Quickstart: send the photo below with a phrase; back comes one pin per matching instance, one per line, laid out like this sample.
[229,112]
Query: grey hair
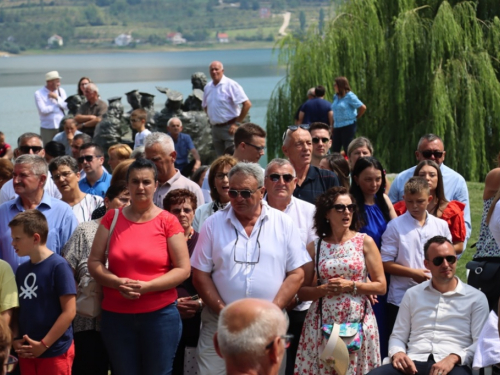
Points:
[84,137]
[64,160]
[249,169]
[280,163]
[28,135]
[138,153]
[359,142]
[39,165]
[173,118]
[311,91]
[429,138]
[93,87]
[252,340]
[164,140]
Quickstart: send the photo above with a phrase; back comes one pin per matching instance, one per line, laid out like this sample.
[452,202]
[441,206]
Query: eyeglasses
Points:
[11,364]
[56,177]
[257,245]
[221,176]
[135,119]
[451,259]
[27,149]
[275,177]
[245,194]
[286,341]
[428,153]
[177,211]
[87,158]
[324,140]
[258,148]
[342,207]
[293,128]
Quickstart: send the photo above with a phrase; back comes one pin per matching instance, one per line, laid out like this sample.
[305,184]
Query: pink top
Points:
[138,251]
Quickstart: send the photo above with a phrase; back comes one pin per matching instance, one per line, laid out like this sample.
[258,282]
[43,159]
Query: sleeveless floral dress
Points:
[345,259]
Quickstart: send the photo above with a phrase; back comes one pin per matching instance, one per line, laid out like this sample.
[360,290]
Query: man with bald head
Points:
[311,181]
[251,337]
[90,113]
[226,105]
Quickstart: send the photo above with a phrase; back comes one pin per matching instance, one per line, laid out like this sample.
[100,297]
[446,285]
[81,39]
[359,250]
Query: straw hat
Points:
[52,75]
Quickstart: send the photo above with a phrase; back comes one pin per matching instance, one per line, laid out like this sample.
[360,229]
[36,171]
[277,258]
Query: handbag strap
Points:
[111,229]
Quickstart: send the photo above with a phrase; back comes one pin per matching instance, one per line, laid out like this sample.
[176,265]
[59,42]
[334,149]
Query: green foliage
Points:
[419,66]
[94,15]
[321,22]
[302,20]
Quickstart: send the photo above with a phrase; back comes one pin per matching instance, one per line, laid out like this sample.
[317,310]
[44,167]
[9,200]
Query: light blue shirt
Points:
[63,139]
[99,188]
[345,110]
[455,188]
[62,222]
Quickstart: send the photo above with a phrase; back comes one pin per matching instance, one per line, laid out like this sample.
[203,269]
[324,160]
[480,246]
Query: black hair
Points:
[436,239]
[142,164]
[55,149]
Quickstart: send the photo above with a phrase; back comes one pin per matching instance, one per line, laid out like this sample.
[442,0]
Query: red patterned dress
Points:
[344,259]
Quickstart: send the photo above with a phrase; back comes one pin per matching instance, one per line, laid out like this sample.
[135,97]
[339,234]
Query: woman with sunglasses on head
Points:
[450,211]
[219,186]
[337,282]
[182,204]
[147,259]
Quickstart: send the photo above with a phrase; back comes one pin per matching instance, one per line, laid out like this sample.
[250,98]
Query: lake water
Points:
[117,73]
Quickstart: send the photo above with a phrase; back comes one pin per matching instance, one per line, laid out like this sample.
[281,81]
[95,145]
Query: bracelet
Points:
[355,288]
[44,344]
[297,300]
[201,305]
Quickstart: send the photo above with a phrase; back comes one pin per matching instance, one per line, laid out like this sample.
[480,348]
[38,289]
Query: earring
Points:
[327,221]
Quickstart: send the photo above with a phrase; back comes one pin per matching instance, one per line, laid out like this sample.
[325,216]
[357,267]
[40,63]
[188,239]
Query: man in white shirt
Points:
[248,250]
[280,182]
[160,149]
[28,143]
[222,99]
[439,321]
[50,101]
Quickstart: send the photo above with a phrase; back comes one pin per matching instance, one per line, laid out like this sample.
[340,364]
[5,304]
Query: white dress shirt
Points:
[51,111]
[403,242]
[8,193]
[274,242]
[204,212]
[431,322]
[223,100]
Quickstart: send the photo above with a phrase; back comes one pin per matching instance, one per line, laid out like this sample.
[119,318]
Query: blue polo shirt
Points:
[316,183]
[316,110]
[99,188]
[183,145]
[61,219]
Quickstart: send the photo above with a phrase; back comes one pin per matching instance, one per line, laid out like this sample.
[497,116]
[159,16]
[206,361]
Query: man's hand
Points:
[197,164]
[421,275]
[187,307]
[403,363]
[53,95]
[232,129]
[444,366]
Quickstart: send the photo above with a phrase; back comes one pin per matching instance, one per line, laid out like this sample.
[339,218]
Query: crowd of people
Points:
[315,264]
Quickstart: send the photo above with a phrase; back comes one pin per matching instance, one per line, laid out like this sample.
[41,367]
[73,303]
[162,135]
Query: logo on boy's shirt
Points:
[28,291]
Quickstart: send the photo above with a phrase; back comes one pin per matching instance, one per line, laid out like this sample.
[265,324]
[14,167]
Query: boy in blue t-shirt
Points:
[47,301]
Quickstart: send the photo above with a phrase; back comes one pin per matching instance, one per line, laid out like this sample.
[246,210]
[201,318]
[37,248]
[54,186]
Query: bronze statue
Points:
[198,81]
[147,103]
[134,99]
[172,109]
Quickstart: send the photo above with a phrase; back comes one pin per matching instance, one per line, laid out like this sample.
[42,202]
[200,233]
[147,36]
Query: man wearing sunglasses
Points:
[431,147]
[97,179]
[28,143]
[248,250]
[316,109]
[280,182]
[439,320]
[245,348]
[321,141]
[311,181]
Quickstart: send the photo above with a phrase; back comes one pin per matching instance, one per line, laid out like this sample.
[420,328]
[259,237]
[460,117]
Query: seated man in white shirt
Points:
[247,250]
[439,320]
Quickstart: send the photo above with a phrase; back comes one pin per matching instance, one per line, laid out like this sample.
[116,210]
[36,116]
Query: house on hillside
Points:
[265,12]
[55,40]
[123,40]
[223,38]
[175,38]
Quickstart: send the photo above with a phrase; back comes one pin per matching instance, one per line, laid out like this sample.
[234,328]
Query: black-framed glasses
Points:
[428,153]
[342,207]
[316,140]
[87,158]
[245,194]
[177,211]
[66,174]
[11,364]
[287,339]
[293,128]
[257,246]
[437,261]
[27,149]
[275,177]
[258,148]
[221,176]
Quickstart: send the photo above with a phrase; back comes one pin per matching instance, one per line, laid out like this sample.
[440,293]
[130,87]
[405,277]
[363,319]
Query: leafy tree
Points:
[244,4]
[321,22]
[94,15]
[420,66]
[255,5]
[302,20]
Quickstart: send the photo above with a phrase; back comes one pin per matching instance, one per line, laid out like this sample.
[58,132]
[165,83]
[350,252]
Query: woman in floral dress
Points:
[345,259]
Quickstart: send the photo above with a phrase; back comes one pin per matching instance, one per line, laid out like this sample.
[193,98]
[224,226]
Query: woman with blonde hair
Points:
[118,153]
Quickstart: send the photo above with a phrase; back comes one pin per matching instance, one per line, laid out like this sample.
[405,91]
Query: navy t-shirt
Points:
[39,286]
[316,183]
[316,110]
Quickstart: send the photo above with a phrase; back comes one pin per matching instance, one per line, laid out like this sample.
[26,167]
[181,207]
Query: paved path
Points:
[286,22]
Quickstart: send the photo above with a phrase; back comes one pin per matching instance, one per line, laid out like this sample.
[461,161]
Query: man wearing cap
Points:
[90,113]
[50,101]
[221,100]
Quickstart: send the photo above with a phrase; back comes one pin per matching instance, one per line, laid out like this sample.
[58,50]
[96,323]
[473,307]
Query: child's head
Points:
[28,229]
[417,196]
[138,119]
[174,126]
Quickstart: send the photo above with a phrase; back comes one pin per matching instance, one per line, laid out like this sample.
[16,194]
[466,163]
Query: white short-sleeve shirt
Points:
[223,100]
[223,243]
